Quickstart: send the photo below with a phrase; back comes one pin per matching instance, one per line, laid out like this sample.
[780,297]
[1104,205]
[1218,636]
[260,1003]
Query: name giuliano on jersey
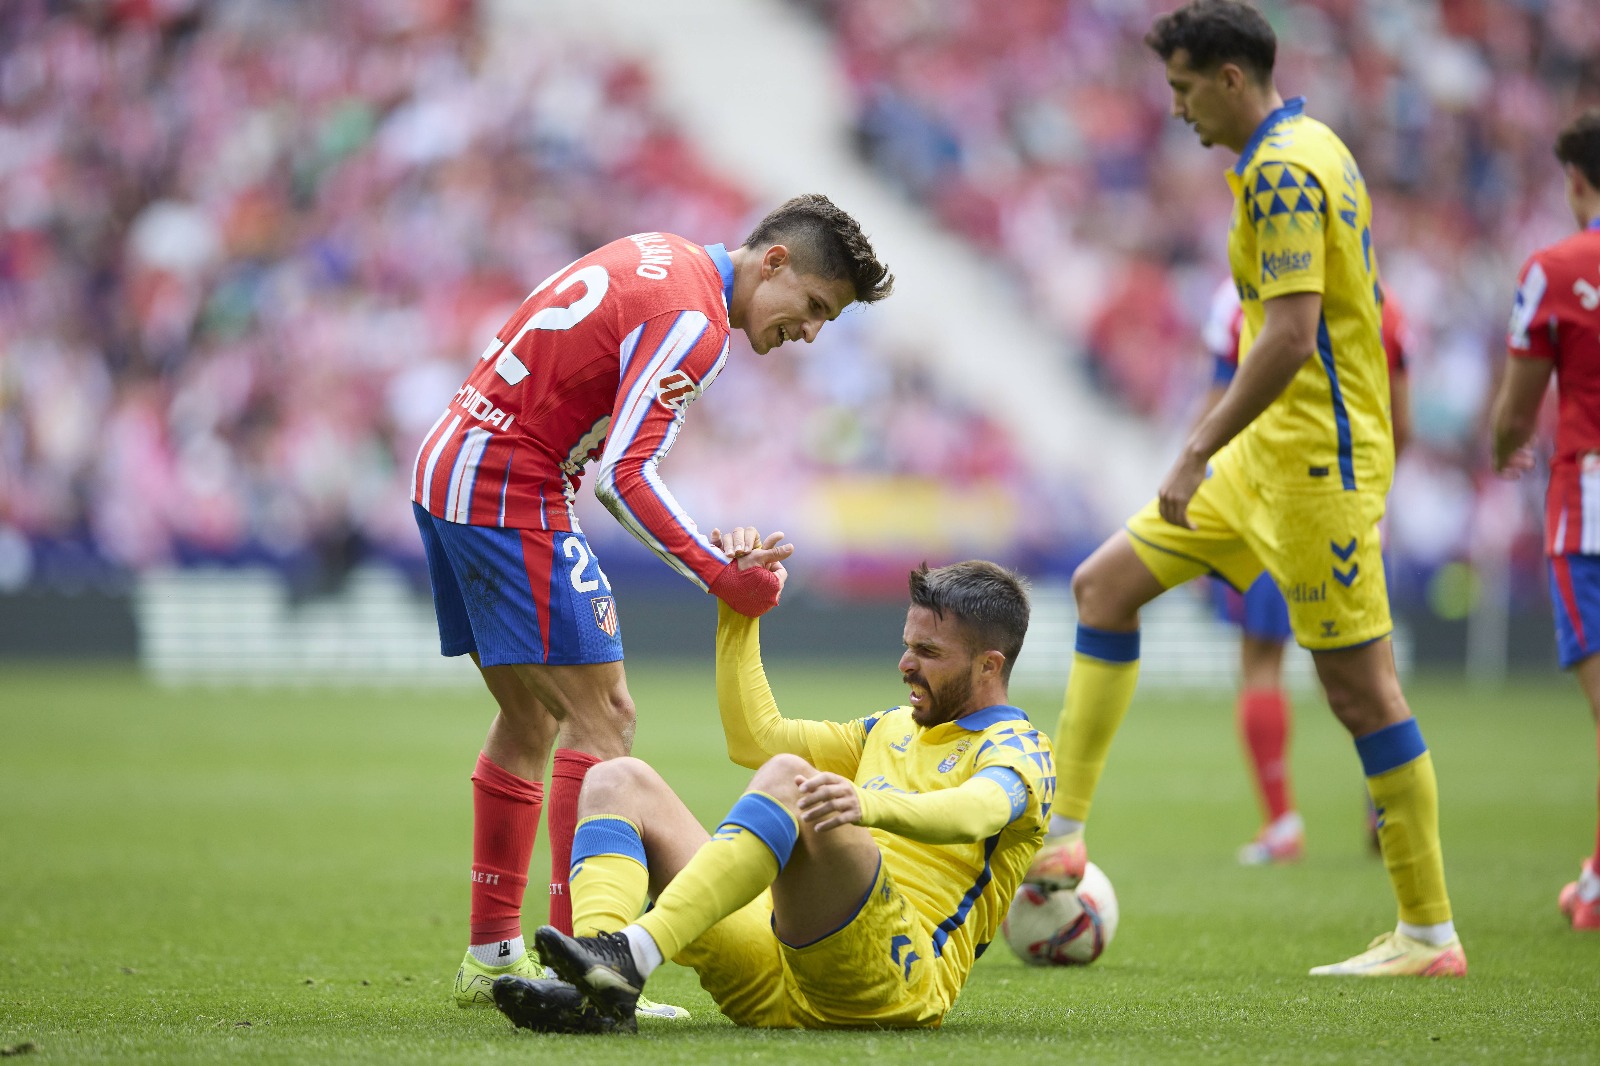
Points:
[600,362]
[1557,317]
[1302,222]
[962,891]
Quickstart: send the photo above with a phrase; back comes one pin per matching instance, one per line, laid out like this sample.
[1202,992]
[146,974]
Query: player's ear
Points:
[776,258]
[992,664]
[1577,183]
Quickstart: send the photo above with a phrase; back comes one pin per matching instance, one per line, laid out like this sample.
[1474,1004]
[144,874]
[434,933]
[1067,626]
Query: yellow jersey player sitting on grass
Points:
[862,873]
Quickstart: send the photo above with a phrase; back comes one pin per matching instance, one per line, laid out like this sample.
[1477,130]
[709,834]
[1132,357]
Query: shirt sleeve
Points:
[1027,752]
[666,363]
[1532,333]
[1289,211]
[976,809]
[755,729]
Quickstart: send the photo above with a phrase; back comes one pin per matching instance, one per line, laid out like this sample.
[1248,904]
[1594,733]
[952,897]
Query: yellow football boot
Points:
[475,981]
[1396,955]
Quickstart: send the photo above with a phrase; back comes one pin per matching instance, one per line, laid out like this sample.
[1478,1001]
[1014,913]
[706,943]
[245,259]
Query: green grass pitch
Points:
[280,876]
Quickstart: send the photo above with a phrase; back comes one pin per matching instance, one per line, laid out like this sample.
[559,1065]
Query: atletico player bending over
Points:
[1555,327]
[599,362]
[862,873]
[1288,473]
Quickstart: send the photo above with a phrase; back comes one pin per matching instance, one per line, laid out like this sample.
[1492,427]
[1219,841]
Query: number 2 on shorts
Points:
[573,548]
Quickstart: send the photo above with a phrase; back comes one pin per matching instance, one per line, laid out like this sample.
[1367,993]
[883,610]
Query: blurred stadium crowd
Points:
[248,248]
[1040,130]
[249,251]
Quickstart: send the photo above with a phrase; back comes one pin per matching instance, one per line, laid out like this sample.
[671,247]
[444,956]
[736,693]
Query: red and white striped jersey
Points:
[1557,317]
[600,361]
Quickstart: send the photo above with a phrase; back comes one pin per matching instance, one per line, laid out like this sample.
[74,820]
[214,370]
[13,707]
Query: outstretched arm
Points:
[756,730]
[667,362]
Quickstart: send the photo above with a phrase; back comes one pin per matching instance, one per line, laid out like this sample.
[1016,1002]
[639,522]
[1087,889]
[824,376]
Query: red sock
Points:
[505,821]
[1264,724]
[566,781]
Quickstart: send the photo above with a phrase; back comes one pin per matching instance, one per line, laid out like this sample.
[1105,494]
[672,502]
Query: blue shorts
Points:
[1260,610]
[518,595]
[1575,595]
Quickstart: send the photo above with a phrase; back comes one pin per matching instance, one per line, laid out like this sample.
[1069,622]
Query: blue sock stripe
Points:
[607,835]
[1104,644]
[1390,747]
[769,820]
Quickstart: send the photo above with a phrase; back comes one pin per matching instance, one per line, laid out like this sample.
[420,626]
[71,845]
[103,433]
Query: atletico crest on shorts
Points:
[605,614]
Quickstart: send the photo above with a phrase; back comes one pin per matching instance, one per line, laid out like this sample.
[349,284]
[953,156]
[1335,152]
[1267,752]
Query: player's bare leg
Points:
[1364,693]
[1112,584]
[1263,715]
[521,735]
[1580,900]
[1109,587]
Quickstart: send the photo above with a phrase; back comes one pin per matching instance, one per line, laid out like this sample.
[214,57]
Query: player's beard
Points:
[944,703]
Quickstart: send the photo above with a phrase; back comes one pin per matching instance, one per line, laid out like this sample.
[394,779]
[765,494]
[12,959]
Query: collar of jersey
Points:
[978,721]
[719,256]
[1293,106]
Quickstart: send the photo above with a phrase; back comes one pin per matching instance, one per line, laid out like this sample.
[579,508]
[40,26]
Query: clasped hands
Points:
[748,548]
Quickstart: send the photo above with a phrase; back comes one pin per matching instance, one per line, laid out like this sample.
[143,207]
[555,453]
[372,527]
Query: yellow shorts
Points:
[875,972]
[1321,548]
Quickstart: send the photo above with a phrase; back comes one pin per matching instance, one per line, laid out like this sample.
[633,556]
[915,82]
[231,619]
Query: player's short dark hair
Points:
[1578,143]
[1214,32]
[826,242]
[988,600]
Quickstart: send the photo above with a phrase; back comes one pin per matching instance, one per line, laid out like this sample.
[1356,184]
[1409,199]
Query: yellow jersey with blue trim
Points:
[961,890]
[1302,222]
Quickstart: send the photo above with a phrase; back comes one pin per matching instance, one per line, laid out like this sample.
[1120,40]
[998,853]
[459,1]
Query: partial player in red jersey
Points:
[1260,611]
[600,362]
[1555,328]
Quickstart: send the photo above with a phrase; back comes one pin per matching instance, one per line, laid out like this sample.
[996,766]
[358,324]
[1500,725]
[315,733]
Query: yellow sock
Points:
[1405,791]
[1105,670]
[609,881]
[734,867]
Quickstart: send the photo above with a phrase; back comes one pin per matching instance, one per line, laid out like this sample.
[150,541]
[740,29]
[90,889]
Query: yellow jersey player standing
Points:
[865,869]
[1286,474]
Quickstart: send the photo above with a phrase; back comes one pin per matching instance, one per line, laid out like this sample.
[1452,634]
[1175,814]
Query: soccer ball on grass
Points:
[1068,927]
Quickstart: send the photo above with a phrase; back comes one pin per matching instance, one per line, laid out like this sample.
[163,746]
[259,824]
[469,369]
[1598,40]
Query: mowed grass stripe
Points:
[179,863]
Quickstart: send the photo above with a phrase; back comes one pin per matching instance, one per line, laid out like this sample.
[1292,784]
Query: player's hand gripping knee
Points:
[828,801]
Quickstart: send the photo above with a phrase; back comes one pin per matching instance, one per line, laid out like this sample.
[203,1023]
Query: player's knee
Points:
[777,776]
[622,715]
[1361,710]
[1096,595]
[614,784]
